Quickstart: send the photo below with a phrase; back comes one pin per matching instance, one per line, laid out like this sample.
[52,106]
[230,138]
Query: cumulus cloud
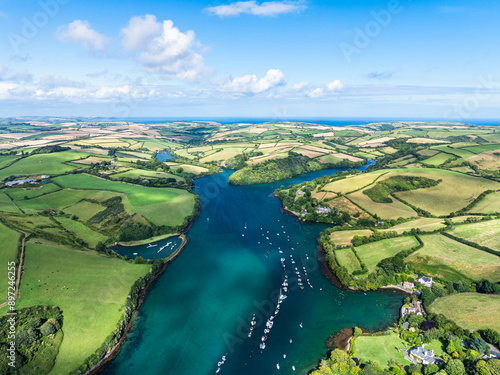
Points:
[331,89]
[250,84]
[300,86]
[163,48]
[80,32]
[23,76]
[51,82]
[269,8]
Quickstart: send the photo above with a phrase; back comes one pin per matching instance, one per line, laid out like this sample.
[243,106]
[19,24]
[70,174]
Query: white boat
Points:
[293,368]
[278,365]
[151,245]
[161,248]
[300,325]
[134,254]
[262,345]
[284,355]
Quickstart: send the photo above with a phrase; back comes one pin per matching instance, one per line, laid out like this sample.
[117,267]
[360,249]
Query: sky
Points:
[264,59]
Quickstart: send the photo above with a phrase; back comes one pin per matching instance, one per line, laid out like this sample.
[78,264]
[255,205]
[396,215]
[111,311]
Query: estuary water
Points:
[201,307]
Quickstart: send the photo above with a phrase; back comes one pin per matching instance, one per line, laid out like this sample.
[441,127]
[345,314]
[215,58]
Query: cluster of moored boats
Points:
[220,363]
[270,321]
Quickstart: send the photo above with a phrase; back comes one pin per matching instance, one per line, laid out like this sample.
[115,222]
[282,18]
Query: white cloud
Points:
[335,86]
[300,86]
[250,84]
[23,76]
[51,82]
[330,90]
[80,32]
[269,8]
[162,48]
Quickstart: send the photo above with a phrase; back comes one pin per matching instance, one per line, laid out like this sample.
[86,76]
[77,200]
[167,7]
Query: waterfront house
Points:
[408,286]
[414,308]
[323,210]
[425,281]
[426,357]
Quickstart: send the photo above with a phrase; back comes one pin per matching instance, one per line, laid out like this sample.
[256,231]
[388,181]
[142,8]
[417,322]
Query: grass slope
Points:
[486,233]
[470,310]
[60,277]
[9,239]
[381,348]
[453,261]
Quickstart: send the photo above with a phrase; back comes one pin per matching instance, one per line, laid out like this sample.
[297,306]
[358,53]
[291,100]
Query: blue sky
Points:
[272,59]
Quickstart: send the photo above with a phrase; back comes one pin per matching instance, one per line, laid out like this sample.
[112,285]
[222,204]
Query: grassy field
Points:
[450,260]
[347,259]
[423,223]
[6,204]
[56,201]
[80,230]
[345,237]
[353,183]
[8,252]
[470,310]
[489,204]
[486,233]
[42,164]
[19,193]
[381,348]
[483,148]
[137,195]
[84,209]
[225,154]
[372,253]
[60,277]
[445,197]
[461,153]
[144,174]
[344,204]
[393,210]
[438,159]
[6,159]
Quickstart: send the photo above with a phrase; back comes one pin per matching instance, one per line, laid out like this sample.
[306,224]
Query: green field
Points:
[461,153]
[344,237]
[61,277]
[347,259]
[381,348]
[80,230]
[445,197]
[486,233]
[438,159]
[6,204]
[9,239]
[84,209]
[19,193]
[56,201]
[372,253]
[144,174]
[489,204]
[393,210]
[423,223]
[137,195]
[471,311]
[6,159]
[352,183]
[42,164]
[483,148]
[453,261]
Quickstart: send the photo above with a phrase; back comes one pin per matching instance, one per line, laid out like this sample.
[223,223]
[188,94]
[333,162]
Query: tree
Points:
[139,260]
[47,328]
[479,345]
[455,367]
[431,369]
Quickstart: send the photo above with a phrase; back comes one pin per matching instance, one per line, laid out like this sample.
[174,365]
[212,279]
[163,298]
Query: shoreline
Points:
[115,350]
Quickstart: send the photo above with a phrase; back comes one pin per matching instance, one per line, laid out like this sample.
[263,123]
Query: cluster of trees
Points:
[381,191]
[35,329]
[49,149]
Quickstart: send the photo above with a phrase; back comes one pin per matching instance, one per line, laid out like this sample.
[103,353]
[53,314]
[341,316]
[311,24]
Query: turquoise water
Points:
[164,156]
[200,308]
[155,250]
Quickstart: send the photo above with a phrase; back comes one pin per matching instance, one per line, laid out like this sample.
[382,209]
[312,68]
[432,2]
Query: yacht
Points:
[262,346]
[151,245]
[278,366]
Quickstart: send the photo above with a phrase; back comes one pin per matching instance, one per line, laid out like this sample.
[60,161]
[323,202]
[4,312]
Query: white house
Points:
[425,281]
[422,355]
